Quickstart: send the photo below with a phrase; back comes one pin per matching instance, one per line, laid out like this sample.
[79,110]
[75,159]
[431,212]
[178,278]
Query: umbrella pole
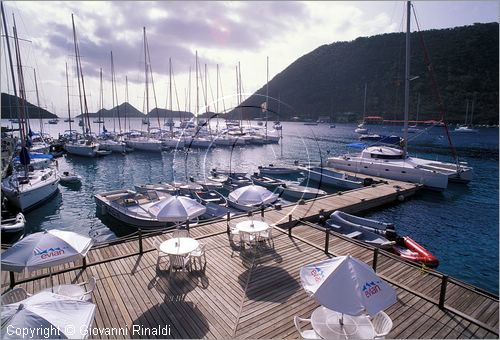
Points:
[51,281]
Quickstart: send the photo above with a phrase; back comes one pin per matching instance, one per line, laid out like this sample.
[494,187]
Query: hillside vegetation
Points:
[330,80]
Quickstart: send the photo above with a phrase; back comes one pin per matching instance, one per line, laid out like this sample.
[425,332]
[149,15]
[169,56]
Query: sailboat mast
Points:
[12,71]
[364,103]
[69,108]
[78,72]
[38,104]
[146,77]
[126,106]
[267,91]
[217,102]
[407,77]
[466,111]
[472,108]
[22,90]
[197,89]
[101,104]
[171,121]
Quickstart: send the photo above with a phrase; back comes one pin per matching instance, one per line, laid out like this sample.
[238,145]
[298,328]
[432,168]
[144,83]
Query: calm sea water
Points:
[460,226]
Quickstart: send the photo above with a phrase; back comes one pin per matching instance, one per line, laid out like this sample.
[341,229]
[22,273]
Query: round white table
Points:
[179,245]
[326,323]
[252,226]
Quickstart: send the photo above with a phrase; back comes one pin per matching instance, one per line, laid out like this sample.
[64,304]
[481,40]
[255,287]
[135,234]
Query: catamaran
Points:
[394,163]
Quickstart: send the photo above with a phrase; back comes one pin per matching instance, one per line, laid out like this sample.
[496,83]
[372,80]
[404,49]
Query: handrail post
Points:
[375,259]
[228,218]
[327,240]
[442,295]
[12,279]
[290,225]
[140,241]
[262,210]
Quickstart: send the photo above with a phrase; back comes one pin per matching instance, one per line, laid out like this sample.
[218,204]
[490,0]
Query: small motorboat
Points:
[217,177]
[101,153]
[403,246]
[251,197]
[208,184]
[13,225]
[210,196]
[67,177]
[410,250]
[161,187]
[354,231]
[279,170]
[236,181]
[298,192]
[328,176]
[217,172]
[267,182]
[342,218]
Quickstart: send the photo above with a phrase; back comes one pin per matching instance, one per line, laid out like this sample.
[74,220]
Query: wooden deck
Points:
[242,294]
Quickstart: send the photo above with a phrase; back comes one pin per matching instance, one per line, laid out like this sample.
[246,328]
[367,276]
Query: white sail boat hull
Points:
[41,187]
[114,146]
[82,149]
[400,170]
[145,145]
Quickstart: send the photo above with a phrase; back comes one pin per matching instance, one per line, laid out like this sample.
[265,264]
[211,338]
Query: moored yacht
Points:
[28,190]
[82,147]
[390,162]
[145,144]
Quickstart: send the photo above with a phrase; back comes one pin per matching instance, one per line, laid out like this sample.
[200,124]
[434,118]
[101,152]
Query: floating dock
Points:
[244,294]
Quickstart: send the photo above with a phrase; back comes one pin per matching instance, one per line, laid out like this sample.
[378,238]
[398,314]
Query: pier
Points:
[256,294]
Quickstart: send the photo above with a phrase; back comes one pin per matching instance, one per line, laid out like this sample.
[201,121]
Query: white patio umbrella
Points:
[45,249]
[176,209]
[47,316]
[252,195]
[347,285]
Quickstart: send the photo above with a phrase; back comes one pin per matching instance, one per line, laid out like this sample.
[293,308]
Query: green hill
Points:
[330,80]
[10,108]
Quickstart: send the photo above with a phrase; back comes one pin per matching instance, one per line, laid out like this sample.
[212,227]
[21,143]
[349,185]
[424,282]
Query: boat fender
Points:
[401,198]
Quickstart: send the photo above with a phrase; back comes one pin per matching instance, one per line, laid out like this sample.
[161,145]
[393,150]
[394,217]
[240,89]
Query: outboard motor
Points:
[390,232]
[367,181]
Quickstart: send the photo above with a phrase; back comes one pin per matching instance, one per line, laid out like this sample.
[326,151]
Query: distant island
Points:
[10,105]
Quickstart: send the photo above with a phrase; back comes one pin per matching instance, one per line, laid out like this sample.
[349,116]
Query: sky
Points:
[221,33]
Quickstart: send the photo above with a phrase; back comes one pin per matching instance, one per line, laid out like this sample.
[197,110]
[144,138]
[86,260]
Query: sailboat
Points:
[26,187]
[414,128]
[85,146]
[467,128]
[361,127]
[393,162]
[112,142]
[146,143]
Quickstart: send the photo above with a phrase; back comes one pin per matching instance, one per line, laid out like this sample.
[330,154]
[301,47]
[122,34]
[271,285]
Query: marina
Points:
[431,218]
[295,210]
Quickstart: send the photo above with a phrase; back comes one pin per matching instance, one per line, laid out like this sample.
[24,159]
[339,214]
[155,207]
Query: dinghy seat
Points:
[354,234]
